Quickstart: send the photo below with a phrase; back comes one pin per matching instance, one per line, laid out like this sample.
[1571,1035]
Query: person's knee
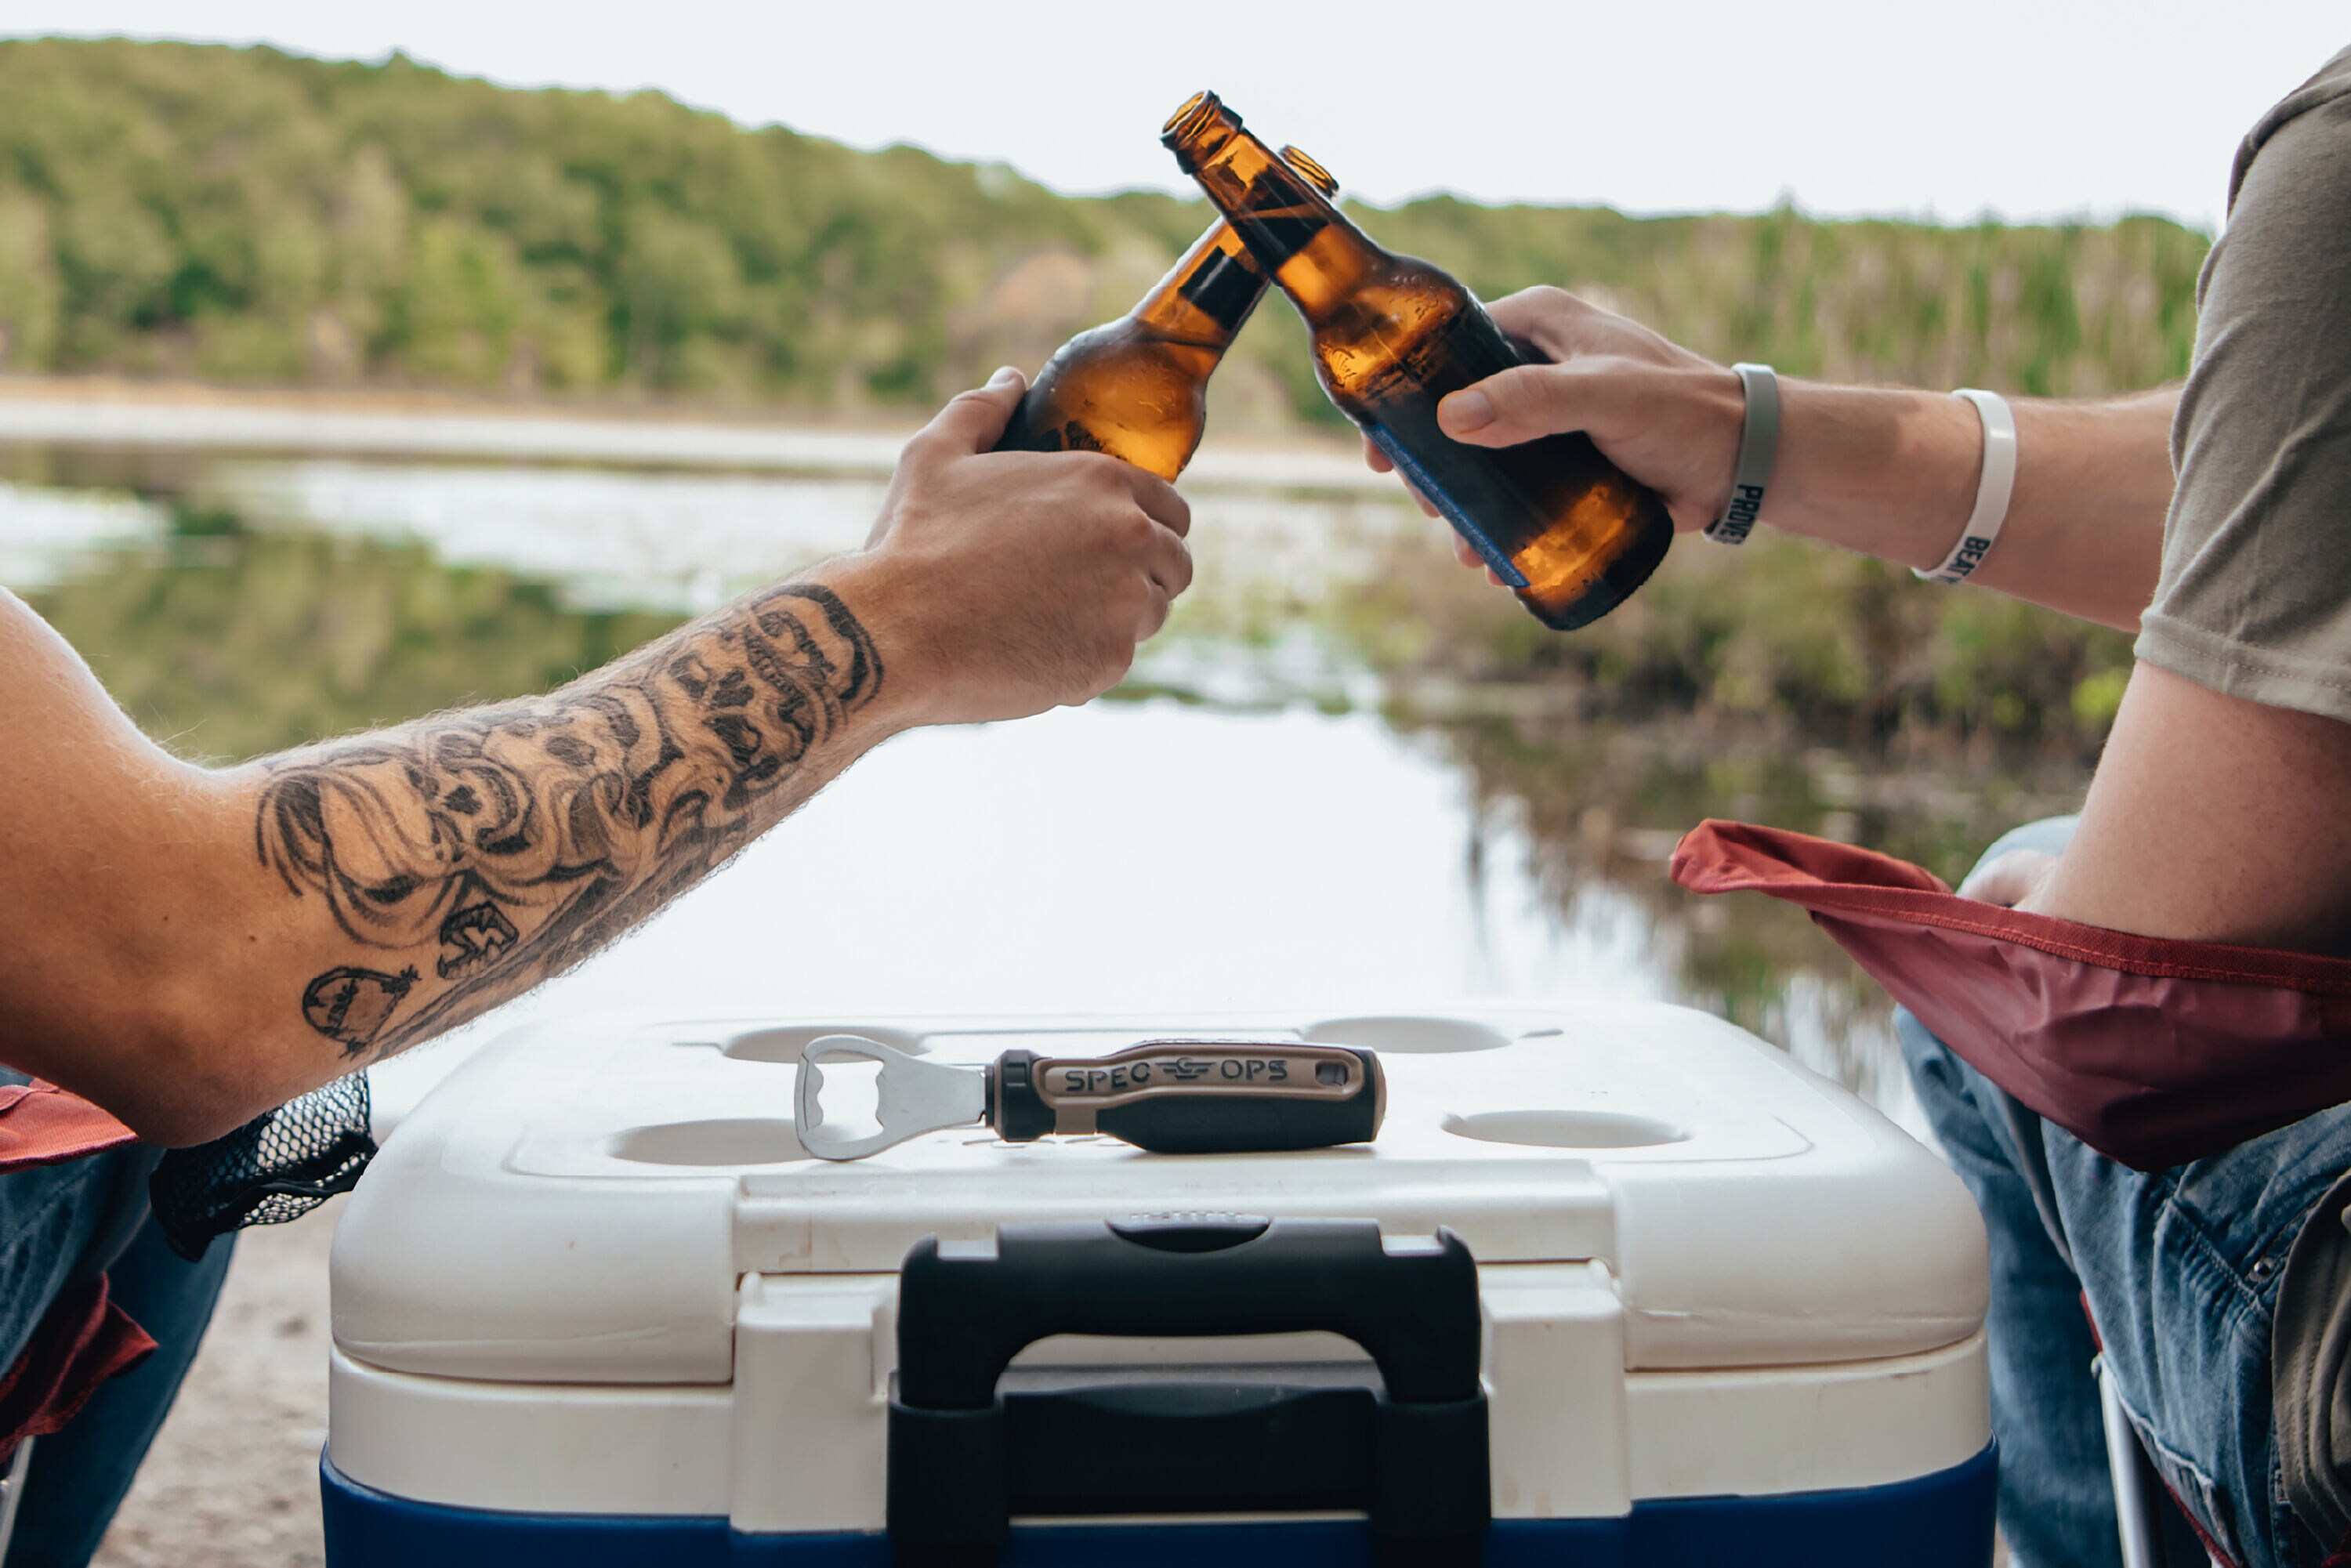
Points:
[2050,835]
[1927,1057]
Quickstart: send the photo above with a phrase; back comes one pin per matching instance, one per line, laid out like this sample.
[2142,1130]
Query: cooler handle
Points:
[963,1315]
[964,1311]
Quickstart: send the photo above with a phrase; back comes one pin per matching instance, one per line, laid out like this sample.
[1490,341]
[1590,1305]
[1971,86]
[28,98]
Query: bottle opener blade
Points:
[911,1097]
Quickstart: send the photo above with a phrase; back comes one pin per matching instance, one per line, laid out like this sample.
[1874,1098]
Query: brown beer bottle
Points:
[1137,387]
[1565,527]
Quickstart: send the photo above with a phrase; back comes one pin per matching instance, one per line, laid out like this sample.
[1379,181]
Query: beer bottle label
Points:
[1425,483]
[1224,288]
[1278,224]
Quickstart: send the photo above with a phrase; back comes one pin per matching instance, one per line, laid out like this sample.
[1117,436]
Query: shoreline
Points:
[109,411]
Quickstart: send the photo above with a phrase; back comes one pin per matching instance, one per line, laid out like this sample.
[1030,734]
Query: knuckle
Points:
[1101,472]
[1138,532]
[957,413]
[1121,533]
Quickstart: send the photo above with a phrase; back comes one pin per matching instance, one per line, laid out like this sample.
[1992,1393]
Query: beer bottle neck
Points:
[1316,253]
[1207,295]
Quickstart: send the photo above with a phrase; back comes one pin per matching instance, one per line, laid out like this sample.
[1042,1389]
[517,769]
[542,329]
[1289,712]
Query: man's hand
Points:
[2016,878]
[1666,416]
[999,584]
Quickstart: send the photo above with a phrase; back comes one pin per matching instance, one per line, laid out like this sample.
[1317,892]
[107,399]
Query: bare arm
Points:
[2211,820]
[2211,817]
[1885,470]
[188,948]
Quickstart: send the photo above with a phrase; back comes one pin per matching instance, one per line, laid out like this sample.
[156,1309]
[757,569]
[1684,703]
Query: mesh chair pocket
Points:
[279,1167]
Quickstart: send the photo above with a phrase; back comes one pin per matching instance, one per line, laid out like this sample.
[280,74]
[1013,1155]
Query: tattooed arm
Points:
[467,857]
[188,947]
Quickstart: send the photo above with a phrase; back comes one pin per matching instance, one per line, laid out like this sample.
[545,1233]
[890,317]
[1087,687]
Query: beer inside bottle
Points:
[1137,387]
[1558,522]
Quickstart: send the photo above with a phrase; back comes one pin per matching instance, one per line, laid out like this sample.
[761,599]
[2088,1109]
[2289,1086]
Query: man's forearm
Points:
[431,871]
[1893,474]
[233,939]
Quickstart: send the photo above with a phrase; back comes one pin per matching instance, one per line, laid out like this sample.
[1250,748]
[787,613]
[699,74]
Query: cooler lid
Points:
[579,1202]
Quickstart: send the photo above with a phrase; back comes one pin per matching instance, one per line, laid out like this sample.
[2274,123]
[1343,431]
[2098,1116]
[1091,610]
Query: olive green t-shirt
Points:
[2254,599]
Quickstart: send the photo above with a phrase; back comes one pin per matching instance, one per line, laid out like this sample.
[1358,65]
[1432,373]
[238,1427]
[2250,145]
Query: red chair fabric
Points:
[41,1125]
[2153,1053]
[85,1338]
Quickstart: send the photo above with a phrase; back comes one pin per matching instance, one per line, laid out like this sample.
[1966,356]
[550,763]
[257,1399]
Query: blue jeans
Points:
[2181,1268]
[60,1225]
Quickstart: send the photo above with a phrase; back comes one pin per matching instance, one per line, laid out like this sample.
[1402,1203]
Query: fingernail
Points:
[1466,411]
[1004,373]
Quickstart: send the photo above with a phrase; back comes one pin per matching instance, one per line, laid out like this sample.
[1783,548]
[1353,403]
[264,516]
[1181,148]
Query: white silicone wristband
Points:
[1993,488]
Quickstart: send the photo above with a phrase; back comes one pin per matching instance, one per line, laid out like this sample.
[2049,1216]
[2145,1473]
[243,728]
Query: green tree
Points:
[253,215]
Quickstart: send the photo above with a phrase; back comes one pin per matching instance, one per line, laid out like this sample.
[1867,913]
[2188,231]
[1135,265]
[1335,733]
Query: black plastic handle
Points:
[1196,1097]
[962,1319]
[964,1315]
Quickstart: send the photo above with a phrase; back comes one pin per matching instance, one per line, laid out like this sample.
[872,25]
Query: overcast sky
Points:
[2019,108]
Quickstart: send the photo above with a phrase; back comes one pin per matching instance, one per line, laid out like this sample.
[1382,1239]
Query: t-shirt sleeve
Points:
[2254,598]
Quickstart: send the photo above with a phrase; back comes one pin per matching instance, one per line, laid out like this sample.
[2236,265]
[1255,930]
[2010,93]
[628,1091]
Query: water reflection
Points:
[1272,814]
[225,644]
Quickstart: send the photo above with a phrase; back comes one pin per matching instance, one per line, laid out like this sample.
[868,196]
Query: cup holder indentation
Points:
[1402,1035]
[1566,1129]
[785,1045]
[735,1141]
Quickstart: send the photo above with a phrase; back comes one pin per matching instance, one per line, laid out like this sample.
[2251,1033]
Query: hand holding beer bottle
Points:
[1137,387]
[1392,335]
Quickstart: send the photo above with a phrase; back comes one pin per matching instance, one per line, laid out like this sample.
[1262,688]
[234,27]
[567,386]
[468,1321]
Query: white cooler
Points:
[1616,1284]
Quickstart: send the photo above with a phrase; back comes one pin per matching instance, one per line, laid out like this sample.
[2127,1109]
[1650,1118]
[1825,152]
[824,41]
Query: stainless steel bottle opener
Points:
[1185,1096]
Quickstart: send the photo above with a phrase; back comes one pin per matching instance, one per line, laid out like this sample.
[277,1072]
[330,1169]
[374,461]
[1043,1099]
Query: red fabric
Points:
[2211,1547]
[41,1125]
[2153,1053]
[85,1339]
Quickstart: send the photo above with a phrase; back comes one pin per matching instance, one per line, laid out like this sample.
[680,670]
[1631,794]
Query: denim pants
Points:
[2181,1270]
[60,1225]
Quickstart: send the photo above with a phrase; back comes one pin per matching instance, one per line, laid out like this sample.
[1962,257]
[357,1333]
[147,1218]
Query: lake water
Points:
[1269,815]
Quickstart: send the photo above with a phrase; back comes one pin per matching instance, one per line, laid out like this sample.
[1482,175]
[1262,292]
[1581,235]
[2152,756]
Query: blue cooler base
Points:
[1942,1521]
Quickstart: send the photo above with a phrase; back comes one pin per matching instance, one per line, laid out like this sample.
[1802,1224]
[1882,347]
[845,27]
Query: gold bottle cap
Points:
[1315,172]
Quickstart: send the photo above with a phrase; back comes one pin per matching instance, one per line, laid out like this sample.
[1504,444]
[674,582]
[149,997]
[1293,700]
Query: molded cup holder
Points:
[1401,1035]
[785,1045]
[1566,1129]
[737,1141]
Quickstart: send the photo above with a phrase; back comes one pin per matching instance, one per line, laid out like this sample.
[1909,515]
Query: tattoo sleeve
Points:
[471,855]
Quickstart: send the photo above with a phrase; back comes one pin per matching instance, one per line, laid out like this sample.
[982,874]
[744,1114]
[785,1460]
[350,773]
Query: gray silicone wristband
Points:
[1759,449]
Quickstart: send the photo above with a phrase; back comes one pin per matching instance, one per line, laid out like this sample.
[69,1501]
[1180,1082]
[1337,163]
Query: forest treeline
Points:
[246,215]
